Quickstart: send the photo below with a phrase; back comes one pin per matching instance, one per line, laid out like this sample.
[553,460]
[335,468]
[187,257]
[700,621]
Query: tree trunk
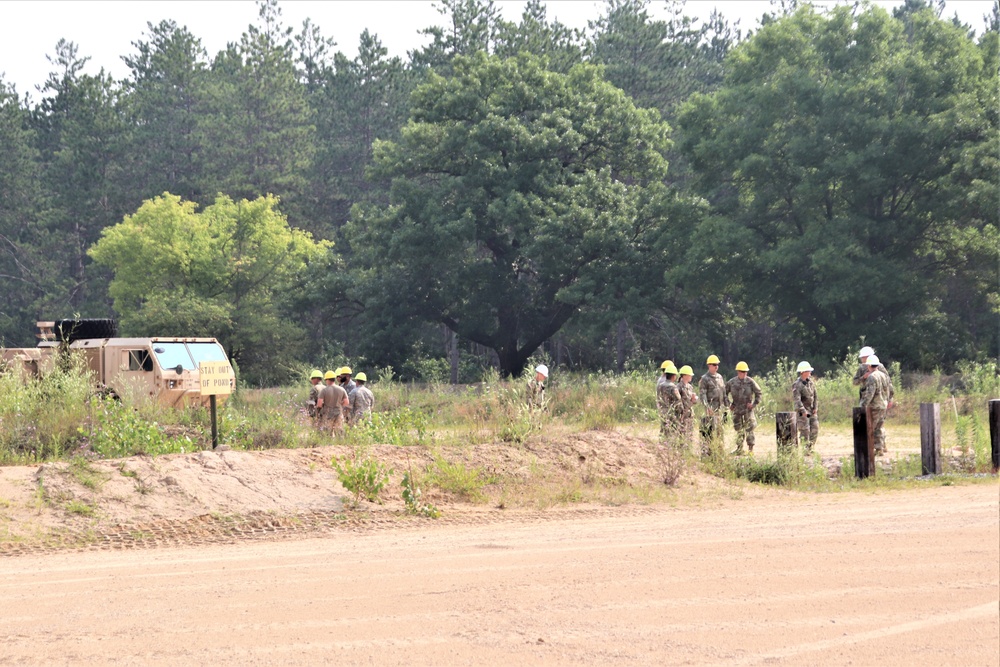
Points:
[620,334]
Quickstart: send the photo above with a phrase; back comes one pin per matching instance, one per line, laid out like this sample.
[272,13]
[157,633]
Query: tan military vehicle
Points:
[162,368]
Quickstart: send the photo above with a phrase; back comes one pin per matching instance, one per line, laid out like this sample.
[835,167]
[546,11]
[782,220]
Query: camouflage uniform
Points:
[314,390]
[744,395]
[859,377]
[713,396]
[332,412]
[535,394]
[668,403]
[804,397]
[363,404]
[686,411]
[875,396]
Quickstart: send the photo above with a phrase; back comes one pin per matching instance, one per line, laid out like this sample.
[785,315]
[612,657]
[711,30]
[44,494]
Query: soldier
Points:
[804,397]
[713,396]
[536,388]
[331,404]
[364,400]
[688,399]
[877,397]
[315,378]
[744,395]
[861,374]
[668,402]
[344,380]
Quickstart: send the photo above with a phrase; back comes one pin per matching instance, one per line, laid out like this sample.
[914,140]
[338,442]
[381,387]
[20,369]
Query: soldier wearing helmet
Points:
[744,395]
[864,369]
[804,398]
[713,397]
[688,399]
[535,392]
[668,402]
[877,397]
[331,404]
[364,400]
[315,380]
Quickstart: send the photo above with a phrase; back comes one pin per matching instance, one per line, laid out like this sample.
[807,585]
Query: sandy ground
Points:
[893,578]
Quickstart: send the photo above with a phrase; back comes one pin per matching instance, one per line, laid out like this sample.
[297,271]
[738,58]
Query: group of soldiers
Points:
[339,402]
[739,397]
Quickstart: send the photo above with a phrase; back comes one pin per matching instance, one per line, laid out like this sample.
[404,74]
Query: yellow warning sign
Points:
[216,378]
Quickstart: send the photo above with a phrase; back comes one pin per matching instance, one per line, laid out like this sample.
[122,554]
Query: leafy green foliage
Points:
[363,476]
[117,430]
[412,499]
[218,273]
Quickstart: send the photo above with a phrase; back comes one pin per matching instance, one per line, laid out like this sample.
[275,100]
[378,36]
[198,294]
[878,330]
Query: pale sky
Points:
[105,30]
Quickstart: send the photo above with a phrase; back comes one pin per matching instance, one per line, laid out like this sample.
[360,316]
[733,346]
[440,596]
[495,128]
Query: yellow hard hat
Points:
[670,369]
[712,359]
[361,377]
[665,364]
[346,370]
[742,366]
[330,375]
[686,370]
[316,373]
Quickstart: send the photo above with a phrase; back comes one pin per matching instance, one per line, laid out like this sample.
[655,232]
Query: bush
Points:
[412,499]
[362,476]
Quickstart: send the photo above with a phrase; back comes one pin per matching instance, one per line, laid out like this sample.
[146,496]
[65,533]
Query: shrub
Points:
[412,499]
[362,476]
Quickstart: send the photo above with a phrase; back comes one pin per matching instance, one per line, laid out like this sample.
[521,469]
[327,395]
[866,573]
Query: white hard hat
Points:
[803,367]
[866,352]
[543,369]
[873,360]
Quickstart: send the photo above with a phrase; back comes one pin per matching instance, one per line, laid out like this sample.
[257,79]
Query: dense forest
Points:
[640,190]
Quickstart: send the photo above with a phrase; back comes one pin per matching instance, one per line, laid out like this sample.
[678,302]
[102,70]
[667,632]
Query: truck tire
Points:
[82,329]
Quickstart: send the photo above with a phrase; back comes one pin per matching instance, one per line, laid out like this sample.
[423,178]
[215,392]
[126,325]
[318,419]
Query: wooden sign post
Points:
[785,431]
[995,432]
[930,438]
[864,444]
[214,382]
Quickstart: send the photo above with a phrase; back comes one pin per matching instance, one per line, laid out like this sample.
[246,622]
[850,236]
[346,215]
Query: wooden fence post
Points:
[786,433]
[930,438]
[864,446]
[995,433]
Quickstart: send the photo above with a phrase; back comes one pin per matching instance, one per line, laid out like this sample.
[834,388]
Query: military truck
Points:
[163,368]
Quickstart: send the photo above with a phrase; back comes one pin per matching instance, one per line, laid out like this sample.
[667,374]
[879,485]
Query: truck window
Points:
[169,355]
[207,352]
[139,360]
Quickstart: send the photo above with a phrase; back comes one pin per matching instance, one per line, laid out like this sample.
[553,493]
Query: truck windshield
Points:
[207,352]
[171,354]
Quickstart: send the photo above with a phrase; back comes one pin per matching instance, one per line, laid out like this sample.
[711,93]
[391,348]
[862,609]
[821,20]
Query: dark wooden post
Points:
[864,445]
[995,432]
[786,434]
[930,438]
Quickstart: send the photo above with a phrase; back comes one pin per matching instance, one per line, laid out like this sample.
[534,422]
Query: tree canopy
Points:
[513,201]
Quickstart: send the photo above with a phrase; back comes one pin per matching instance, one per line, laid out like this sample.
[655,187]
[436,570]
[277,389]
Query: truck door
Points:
[135,373]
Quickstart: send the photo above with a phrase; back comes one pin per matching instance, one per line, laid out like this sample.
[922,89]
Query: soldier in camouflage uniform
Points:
[804,398]
[877,397]
[331,405]
[315,380]
[713,396]
[364,400]
[668,403]
[536,388]
[861,374]
[744,395]
[688,399]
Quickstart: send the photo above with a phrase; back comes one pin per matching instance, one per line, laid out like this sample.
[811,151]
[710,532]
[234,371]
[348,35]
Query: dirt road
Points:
[896,578]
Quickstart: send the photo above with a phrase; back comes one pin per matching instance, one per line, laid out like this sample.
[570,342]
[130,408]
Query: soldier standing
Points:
[344,380]
[688,399]
[713,396]
[861,374]
[331,405]
[804,397]
[536,388]
[877,397]
[744,395]
[315,378]
[668,402]
[364,400]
